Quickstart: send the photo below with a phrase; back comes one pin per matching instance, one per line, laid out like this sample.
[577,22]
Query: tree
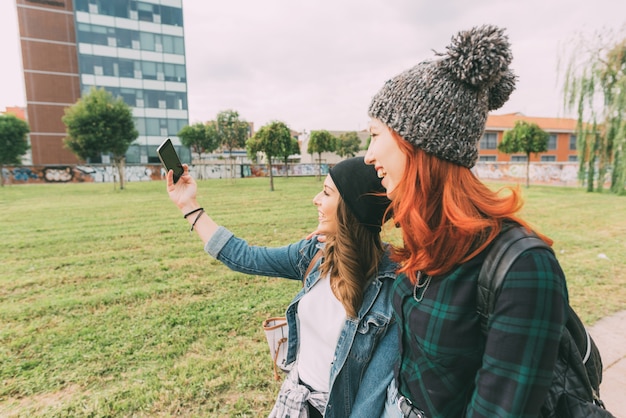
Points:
[13,141]
[527,138]
[319,142]
[100,124]
[288,148]
[200,138]
[232,131]
[348,144]
[595,87]
[271,139]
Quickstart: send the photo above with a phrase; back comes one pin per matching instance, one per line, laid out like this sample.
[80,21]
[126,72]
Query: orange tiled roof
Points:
[18,112]
[507,121]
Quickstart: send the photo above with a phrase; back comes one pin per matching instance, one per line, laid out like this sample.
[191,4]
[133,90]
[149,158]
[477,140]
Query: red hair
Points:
[447,215]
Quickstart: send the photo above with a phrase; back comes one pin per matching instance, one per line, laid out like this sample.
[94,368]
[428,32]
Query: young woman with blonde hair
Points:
[342,337]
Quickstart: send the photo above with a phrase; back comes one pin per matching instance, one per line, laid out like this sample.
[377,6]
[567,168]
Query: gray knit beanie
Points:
[441,106]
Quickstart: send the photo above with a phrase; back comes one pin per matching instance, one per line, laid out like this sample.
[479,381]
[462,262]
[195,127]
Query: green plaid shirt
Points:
[449,369]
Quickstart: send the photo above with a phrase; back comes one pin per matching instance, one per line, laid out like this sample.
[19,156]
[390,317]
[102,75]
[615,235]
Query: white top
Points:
[321,318]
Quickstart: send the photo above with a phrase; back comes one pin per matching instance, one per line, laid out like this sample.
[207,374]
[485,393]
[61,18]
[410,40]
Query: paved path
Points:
[610,336]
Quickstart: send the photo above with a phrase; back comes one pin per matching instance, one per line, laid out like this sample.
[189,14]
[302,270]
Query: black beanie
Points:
[360,188]
[441,105]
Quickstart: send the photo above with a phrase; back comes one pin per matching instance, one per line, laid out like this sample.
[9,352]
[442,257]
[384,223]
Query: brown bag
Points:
[277,332]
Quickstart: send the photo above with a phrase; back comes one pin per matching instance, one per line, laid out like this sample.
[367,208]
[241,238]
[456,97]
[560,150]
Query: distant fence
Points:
[99,173]
[561,174]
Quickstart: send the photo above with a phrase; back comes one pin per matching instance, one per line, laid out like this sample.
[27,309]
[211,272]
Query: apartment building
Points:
[561,143]
[134,49]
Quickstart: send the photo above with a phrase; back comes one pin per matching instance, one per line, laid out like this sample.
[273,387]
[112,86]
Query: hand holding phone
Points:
[169,158]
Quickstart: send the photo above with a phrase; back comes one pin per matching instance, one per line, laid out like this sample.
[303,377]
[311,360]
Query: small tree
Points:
[270,140]
[527,138]
[288,148]
[232,132]
[319,142]
[348,144]
[13,141]
[100,124]
[200,138]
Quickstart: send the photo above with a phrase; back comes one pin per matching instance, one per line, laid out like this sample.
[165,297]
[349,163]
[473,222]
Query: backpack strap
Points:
[502,253]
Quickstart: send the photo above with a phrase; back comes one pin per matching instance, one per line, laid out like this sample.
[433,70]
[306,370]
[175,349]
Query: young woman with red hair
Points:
[425,128]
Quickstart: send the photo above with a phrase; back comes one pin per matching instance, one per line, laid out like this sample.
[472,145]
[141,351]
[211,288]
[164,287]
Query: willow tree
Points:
[595,88]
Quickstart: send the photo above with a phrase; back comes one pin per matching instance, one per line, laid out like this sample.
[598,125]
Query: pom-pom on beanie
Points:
[360,188]
[441,105]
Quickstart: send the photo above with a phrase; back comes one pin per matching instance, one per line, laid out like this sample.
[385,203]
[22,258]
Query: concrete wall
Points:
[559,174]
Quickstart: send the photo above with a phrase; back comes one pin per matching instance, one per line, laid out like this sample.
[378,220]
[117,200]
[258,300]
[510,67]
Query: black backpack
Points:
[575,389]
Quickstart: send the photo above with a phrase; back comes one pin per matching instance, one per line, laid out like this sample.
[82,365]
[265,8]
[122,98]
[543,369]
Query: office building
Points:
[134,49]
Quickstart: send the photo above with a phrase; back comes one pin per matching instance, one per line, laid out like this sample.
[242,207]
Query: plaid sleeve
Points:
[523,339]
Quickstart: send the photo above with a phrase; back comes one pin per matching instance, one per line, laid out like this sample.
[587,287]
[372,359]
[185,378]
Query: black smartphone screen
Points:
[170,159]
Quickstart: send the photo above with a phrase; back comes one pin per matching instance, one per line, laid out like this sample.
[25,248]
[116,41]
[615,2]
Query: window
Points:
[552,142]
[168,44]
[572,142]
[152,127]
[147,41]
[179,46]
[124,38]
[129,96]
[89,34]
[170,72]
[149,70]
[152,98]
[81,5]
[127,68]
[573,158]
[180,73]
[548,158]
[140,124]
[518,158]
[86,64]
[489,140]
[486,158]
[144,12]
[171,16]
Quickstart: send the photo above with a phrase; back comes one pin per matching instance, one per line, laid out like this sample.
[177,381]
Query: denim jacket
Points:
[367,348]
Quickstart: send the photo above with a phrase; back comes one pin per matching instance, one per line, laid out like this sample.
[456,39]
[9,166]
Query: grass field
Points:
[109,307]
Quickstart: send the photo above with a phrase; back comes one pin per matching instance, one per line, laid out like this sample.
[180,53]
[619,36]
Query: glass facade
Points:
[136,51]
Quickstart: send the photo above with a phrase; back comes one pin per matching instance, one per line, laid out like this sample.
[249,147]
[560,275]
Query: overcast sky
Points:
[317,64]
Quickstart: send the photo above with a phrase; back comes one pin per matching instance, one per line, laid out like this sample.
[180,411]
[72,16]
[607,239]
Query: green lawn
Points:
[109,307]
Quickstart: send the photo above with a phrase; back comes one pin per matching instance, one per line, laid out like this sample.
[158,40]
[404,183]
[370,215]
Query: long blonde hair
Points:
[351,257]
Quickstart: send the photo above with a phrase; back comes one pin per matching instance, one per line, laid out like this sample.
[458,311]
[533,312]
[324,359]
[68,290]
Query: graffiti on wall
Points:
[561,174]
[556,174]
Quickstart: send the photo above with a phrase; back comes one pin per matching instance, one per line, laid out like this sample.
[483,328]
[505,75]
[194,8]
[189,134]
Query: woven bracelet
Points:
[196,220]
[192,212]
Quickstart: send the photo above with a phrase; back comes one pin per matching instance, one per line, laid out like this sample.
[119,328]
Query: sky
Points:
[317,64]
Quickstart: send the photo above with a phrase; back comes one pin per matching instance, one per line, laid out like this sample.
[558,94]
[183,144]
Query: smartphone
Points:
[170,159]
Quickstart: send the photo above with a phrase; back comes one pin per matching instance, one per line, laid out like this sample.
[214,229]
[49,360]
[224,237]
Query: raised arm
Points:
[183,194]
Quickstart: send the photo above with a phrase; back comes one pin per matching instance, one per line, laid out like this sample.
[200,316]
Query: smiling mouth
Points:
[381,173]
